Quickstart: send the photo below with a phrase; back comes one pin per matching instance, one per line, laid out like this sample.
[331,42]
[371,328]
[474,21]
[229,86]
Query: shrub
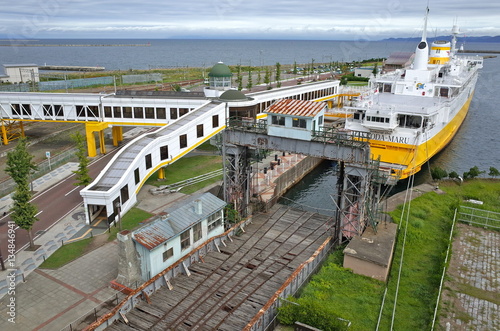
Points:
[438,173]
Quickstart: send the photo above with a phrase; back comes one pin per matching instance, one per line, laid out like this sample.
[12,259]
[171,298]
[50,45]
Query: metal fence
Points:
[479,217]
[75,83]
[132,79]
[15,87]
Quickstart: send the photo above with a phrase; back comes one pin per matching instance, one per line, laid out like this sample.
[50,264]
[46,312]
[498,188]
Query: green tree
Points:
[375,69]
[295,67]
[474,172]
[259,78]
[267,76]
[82,173]
[19,166]
[453,175]
[438,173]
[239,78]
[278,74]
[493,172]
[249,82]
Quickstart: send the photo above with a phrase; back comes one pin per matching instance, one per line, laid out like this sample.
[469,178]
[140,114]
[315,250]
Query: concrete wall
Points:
[292,176]
[366,268]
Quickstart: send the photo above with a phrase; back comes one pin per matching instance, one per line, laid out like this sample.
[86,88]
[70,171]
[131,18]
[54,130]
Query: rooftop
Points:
[296,108]
[220,70]
[19,65]
[177,219]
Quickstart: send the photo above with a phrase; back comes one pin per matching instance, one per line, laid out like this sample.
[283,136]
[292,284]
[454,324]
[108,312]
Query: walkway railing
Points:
[479,217]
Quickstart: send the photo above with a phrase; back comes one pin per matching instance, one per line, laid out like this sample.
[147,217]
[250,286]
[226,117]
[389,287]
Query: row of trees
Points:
[267,77]
[20,167]
[438,173]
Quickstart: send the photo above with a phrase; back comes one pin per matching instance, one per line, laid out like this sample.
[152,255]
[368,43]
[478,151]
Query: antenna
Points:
[424,33]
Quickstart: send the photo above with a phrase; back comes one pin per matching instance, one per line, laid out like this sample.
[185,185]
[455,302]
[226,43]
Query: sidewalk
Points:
[49,241]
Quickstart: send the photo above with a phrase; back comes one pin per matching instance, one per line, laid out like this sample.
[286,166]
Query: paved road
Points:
[53,204]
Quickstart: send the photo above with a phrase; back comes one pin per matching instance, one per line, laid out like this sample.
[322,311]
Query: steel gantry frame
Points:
[356,187]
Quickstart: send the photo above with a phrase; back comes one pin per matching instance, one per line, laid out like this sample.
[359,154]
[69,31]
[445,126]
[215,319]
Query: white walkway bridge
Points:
[184,121]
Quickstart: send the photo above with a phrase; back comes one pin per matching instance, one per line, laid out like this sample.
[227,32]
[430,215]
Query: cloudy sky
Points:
[260,19]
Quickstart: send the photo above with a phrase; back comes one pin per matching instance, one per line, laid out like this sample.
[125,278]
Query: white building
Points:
[20,73]
[296,119]
[162,242]
[365,72]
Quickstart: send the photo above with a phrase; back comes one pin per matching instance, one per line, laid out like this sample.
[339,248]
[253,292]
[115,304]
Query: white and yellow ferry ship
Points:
[413,113]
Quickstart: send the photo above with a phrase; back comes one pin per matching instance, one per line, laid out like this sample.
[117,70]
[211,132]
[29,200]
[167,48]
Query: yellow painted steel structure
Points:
[11,130]
[14,129]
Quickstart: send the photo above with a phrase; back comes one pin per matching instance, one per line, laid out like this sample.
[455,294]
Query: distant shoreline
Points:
[75,45]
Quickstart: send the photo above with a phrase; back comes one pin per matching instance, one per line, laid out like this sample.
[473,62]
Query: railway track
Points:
[226,291]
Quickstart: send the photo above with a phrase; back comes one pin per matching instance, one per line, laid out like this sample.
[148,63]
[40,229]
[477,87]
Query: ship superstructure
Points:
[413,113]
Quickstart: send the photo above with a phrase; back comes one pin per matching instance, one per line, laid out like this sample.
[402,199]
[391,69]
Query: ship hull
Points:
[412,157]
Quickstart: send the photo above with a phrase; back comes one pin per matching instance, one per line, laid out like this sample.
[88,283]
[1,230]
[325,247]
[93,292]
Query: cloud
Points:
[314,19]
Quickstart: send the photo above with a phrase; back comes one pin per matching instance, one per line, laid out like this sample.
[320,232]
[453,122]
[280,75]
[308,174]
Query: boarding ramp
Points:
[115,189]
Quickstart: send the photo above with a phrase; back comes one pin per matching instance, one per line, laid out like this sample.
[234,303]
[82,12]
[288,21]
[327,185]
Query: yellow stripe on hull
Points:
[414,157]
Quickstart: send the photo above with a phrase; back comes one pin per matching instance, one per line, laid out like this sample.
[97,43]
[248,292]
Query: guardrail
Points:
[479,217]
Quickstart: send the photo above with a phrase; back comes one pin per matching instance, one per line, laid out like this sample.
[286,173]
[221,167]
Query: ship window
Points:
[410,121]
[443,92]
[387,87]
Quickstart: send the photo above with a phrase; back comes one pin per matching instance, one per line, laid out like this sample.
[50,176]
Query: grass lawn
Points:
[131,220]
[358,298]
[188,167]
[71,251]
[65,254]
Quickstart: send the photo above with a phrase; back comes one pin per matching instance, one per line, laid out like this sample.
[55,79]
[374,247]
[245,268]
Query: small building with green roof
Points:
[219,80]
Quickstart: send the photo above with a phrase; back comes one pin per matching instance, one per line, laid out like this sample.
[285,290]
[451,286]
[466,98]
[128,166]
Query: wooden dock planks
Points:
[228,289]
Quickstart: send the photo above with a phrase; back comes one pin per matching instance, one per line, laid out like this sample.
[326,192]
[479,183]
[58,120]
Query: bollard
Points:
[265,170]
[275,157]
[284,153]
[43,257]
[62,242]
[279,161]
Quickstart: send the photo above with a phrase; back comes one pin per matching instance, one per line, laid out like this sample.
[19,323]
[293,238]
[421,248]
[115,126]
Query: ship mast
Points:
[422,51]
